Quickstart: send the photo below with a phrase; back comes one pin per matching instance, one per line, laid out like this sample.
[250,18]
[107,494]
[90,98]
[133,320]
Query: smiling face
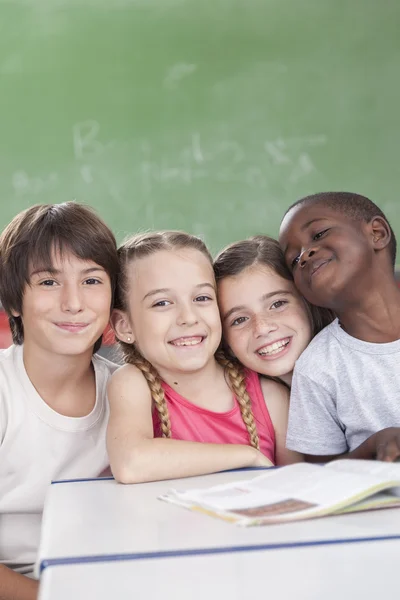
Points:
[172,311]
[328,253]
[265,321]
[66,306]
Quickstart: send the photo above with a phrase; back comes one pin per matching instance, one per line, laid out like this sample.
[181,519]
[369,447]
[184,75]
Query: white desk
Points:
[101,517]
[365,570]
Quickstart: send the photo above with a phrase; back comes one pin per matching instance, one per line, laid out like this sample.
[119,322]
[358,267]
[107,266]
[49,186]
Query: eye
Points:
[48,283]
[161,303]
[239,321]
[202,298]
[92,281]
[279,303]
[320,234]
[295,262]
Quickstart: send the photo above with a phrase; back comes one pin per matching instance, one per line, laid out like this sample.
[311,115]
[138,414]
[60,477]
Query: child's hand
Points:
[387,444]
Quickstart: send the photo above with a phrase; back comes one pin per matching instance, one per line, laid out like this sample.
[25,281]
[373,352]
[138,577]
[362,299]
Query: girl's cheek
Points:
[227,333]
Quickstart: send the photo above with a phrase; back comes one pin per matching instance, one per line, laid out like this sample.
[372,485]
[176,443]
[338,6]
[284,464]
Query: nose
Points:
[305,256]
[72,298]
[187,315]
[263,325]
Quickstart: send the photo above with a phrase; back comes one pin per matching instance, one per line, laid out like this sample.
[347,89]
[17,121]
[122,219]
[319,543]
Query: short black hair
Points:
[355,206]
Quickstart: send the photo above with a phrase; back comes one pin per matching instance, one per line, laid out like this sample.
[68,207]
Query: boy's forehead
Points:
[57,259]
[300,217]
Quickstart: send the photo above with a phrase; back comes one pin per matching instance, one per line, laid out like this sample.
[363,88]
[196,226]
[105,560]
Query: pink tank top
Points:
[195,424]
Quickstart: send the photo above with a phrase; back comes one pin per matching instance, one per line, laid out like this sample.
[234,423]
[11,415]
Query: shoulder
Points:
[8,355]
[103,364]
[258,385]
[273,391]
[323,344]
[10,392]
[11,366]
[127,382]
[103,369]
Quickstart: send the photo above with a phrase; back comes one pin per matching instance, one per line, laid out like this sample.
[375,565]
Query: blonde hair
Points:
[140,246]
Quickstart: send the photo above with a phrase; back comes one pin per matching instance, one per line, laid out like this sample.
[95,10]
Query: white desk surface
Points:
[365,570]
[101,517]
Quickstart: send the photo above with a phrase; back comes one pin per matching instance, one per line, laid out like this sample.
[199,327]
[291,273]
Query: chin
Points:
[276,370]
[73,349]
[192,366]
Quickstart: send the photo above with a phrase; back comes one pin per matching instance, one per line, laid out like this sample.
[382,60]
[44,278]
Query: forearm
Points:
[365,450]
[14,586]
[382,445]
[159,458]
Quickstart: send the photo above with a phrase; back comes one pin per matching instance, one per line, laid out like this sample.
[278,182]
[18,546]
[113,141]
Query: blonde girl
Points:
[179,407]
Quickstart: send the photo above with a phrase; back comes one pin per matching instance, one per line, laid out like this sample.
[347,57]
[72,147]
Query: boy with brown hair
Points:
[345,396]
[58,267]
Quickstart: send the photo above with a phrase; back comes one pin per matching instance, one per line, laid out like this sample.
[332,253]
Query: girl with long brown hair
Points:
[266,322]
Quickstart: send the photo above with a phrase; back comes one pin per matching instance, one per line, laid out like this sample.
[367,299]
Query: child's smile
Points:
[275,349]
[264,319]
[173,309]
[327,252]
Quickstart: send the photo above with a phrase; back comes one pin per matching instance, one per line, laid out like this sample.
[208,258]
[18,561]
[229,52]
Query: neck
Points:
[287,378]
[57,379]
[195,383]
[375,315]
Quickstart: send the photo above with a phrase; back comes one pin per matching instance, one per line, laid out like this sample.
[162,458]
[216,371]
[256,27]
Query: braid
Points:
[237,381]
[132,356]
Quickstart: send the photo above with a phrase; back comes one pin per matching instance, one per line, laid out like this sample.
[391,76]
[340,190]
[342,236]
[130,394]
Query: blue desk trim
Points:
[205,551]
[82,480]
[111,478]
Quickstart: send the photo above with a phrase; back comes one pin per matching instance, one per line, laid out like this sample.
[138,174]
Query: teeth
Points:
[273,348]
[187,341]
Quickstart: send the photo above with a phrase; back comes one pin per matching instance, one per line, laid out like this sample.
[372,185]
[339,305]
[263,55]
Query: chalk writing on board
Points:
[120,167]
[176,73]
[86,174]
[85,142]
[292,153]
[24,184]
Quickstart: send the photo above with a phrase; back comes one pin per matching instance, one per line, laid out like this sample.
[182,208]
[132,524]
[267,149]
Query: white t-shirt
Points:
[343,391]
[38,445]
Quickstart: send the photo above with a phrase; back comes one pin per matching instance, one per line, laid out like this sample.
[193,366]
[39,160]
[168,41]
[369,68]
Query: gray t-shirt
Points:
[343,391]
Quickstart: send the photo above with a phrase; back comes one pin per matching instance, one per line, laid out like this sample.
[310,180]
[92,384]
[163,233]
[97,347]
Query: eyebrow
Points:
[313,221]
[52,271]
[304,227]
[263,298]
[166,290]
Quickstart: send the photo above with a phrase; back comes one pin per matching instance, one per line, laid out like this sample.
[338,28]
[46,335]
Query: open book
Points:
[299,491]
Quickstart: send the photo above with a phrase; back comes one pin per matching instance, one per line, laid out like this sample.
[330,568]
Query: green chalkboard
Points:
[211,115]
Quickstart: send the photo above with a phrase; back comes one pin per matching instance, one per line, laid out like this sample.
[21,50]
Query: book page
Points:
[294,492]
[375,502]
[380,470]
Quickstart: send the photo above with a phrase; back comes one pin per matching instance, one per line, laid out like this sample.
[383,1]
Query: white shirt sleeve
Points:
[314,427]
[3,420]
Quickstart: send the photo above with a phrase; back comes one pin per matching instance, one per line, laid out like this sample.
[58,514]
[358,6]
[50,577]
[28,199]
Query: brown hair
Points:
[31,237]
[264,250]
[145,244]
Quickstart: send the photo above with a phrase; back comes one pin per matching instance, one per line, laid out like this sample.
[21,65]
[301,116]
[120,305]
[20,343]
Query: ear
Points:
[380,233]
[15,314]
[121,326]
